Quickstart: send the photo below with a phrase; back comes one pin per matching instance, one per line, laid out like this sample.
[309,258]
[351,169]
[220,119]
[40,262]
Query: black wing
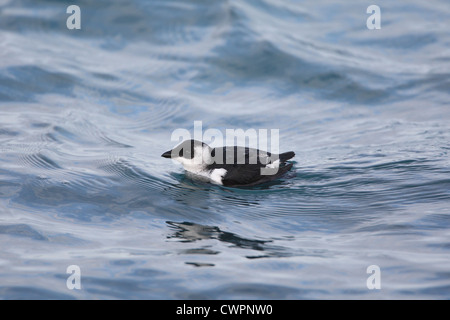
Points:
[248,175]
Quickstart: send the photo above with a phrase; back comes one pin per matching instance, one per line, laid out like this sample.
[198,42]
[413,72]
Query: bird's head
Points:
[193,154]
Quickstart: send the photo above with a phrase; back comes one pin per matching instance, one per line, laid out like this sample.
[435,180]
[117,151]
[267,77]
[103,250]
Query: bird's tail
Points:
[286,156]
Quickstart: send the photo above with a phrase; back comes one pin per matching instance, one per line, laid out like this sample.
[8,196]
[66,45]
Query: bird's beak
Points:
[167,154]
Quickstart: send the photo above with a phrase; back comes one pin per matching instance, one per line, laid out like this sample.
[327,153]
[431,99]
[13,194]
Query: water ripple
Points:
[85,115]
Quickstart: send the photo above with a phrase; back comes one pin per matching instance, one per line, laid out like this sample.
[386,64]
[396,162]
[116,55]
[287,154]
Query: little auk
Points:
[230,166]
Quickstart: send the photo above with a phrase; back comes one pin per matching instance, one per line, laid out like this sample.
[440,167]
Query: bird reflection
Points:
[190,232]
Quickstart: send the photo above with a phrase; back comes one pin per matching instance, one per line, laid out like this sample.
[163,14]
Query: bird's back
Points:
[244,165]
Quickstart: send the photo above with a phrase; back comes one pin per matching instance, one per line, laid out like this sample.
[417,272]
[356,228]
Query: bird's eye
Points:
[185,152]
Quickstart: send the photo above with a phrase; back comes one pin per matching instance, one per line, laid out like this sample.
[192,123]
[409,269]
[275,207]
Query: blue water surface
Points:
[85,115]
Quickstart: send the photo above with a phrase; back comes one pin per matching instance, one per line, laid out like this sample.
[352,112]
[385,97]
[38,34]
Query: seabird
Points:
[230,166]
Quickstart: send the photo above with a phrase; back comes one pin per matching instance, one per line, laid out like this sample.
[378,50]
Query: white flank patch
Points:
[274,165]
[217,175]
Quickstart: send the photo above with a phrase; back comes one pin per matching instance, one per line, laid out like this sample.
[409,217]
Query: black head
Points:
[186,150]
